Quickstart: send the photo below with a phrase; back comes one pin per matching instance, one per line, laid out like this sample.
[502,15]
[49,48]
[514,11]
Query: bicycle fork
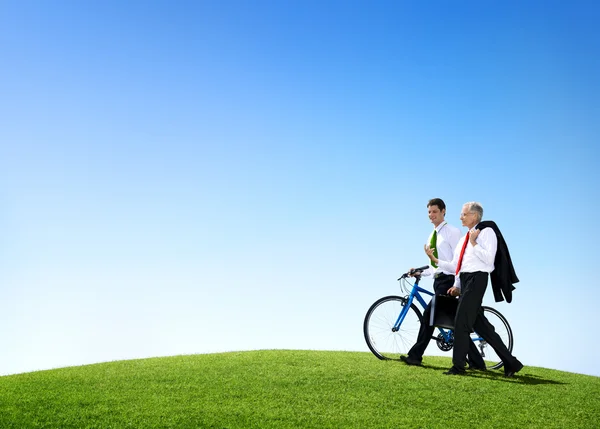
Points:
[407,302]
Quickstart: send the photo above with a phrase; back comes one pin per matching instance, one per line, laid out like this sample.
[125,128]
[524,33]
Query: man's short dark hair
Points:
[437,202]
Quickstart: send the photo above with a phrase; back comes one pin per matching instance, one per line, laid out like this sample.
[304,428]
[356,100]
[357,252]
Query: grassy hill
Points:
[294,389]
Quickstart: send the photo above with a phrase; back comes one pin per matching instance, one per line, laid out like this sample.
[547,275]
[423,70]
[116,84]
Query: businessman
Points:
[477,255]
[441,243]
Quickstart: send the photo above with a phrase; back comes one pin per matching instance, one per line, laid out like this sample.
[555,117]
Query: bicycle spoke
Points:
[383,341]
[502,329]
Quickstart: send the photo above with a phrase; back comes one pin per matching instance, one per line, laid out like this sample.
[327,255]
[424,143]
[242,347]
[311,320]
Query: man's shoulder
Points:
[488,226]
[488,230]
[452,229]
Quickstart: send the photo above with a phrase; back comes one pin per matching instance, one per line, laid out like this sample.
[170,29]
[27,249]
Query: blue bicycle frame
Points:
[390,327]
[416,293]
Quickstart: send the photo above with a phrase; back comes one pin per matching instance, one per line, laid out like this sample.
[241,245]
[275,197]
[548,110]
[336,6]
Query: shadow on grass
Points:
[498,375]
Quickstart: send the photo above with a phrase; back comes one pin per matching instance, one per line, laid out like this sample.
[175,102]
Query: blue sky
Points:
[193,177]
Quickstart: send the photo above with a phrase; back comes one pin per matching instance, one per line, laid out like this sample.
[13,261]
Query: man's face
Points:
[467,217]
[435,215]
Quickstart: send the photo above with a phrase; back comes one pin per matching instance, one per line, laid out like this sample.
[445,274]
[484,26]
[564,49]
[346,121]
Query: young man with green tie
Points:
[442,242]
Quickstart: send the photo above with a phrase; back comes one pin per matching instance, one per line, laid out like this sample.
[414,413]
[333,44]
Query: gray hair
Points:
[476,208]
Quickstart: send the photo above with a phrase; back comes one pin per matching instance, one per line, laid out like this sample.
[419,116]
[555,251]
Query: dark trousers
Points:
[440,286]
[470,317]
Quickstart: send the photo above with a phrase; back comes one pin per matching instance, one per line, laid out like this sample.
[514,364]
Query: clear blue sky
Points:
[190,177]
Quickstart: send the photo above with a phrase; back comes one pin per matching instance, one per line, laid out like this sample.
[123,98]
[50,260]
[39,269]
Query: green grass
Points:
[294,389]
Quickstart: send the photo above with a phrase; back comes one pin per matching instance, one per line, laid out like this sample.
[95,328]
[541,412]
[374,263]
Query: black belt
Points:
[441,274]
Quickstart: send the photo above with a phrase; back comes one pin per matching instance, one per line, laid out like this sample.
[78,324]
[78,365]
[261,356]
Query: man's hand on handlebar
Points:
[413,273]
[416,272]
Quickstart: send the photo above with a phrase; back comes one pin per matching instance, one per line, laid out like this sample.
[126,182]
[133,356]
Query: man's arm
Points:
[454,239]
[449,266]
[485,245]
[455,290]
[428,272]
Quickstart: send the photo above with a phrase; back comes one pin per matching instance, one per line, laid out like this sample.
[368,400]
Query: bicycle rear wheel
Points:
[383,339]
[502,327]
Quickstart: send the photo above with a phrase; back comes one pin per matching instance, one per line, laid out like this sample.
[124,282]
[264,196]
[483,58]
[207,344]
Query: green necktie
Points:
[433,245]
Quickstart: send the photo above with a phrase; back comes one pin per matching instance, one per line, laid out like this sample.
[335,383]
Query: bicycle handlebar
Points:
[413,271]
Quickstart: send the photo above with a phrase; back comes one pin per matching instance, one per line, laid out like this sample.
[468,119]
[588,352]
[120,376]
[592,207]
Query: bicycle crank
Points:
[445,342]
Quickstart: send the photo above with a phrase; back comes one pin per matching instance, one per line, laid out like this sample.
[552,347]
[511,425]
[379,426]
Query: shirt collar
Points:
[440,226]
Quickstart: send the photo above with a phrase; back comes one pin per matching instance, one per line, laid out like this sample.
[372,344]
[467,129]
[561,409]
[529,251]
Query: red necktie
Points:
[462,252]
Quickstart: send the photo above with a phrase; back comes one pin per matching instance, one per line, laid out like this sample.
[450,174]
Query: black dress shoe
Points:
[410,361]
[510,371]
[455,371]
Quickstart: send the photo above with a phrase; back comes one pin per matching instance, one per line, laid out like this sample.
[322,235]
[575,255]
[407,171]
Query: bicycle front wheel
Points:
[383,338]
[491,358]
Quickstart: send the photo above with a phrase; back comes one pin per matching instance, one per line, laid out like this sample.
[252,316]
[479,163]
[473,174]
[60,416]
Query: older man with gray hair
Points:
[473,261]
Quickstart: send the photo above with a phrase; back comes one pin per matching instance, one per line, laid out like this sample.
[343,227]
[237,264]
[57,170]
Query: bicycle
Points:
[392,324]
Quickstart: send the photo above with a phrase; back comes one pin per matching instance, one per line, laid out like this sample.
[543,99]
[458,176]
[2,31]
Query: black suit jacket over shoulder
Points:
[504,275]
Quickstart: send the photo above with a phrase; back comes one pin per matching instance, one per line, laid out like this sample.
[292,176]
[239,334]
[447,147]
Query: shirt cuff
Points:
[457,282]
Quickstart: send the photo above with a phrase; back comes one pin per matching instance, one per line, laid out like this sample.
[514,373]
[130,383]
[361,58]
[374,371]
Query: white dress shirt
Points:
[476,258]
[447,238]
